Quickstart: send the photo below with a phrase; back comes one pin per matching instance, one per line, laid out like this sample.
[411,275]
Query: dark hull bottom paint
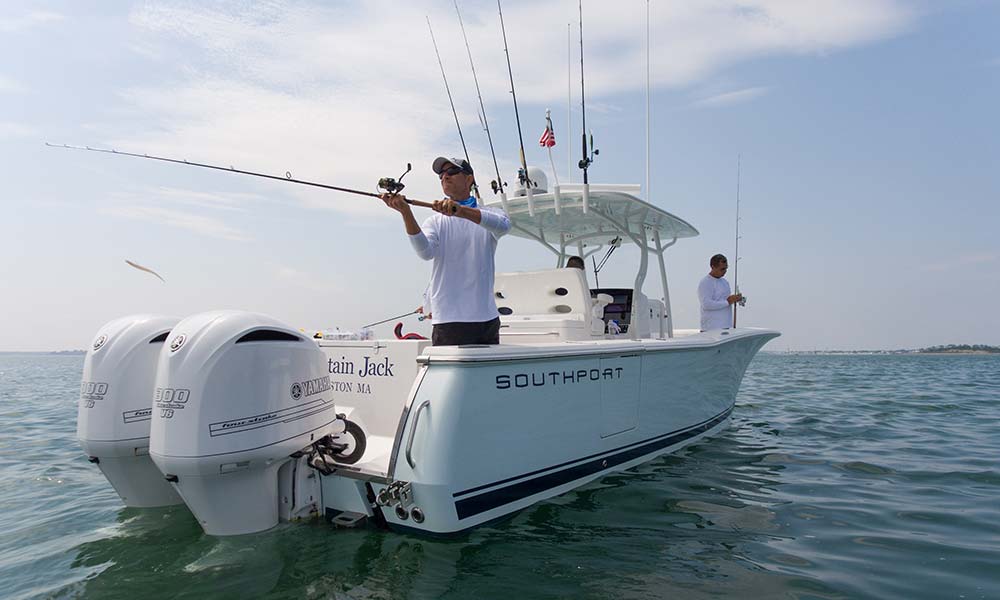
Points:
[549,477]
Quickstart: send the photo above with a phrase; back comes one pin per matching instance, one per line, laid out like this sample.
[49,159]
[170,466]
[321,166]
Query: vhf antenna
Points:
[587,160]
[499,184]
[475,188]
[523,174]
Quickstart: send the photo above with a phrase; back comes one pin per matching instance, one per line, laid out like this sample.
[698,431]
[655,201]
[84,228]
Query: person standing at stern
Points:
[461,239]
[714,296]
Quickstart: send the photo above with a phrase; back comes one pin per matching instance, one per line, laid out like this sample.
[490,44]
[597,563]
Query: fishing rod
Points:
[412,312]
[736,263]
[391,185]
[475,188]
[586,161]
[498,184]
[522,174]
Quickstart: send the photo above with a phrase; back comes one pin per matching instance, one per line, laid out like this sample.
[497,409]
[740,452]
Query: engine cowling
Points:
[236,394]
[116,397]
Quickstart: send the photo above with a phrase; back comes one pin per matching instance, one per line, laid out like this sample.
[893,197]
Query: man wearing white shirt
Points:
[461,239]
[715,298]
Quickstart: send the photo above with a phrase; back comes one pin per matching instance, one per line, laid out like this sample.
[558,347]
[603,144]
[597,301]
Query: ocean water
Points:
[840,477]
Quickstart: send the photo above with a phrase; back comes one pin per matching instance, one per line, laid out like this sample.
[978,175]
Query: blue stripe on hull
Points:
[474,505]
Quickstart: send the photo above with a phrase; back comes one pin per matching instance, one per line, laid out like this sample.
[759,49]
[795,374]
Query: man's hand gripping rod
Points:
[389,184]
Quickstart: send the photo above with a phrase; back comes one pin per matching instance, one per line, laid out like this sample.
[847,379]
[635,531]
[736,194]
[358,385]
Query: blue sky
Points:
[867,130]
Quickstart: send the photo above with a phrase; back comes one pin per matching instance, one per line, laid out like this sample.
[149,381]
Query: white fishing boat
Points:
[249,421]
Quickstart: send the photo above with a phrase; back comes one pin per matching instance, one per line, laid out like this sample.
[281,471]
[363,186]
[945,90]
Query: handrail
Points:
[413,432]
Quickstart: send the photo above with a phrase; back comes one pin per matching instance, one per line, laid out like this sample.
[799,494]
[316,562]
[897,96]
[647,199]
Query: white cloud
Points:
[9,86]
[208,226]
[15,130]
[736,97]
[28,21]
[344,98]
[231,201]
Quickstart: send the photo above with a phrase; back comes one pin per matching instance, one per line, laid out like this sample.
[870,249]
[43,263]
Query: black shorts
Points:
[460,334]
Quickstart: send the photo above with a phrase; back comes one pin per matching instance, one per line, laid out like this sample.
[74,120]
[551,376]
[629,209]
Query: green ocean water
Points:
[840,477]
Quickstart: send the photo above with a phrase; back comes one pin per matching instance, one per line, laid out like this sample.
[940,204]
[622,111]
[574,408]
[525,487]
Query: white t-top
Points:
[461,287]
[716,312]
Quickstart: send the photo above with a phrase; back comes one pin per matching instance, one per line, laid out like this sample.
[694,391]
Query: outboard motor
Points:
[237,395]
[116,398]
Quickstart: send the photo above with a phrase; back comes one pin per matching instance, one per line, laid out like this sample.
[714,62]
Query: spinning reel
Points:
[586,161]
[497,187]
[394,186]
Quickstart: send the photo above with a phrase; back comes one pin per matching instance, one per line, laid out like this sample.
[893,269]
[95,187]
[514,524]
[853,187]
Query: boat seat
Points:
[553,305]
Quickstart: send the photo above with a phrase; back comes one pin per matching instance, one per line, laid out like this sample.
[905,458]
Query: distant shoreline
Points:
[978,350]
[888,352]
[45,352]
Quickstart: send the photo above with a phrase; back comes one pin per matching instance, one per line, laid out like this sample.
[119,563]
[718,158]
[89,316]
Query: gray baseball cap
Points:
[442,161]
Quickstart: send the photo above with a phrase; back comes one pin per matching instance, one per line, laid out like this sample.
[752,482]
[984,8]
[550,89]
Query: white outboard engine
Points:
[237,394]
[116,398]
[539,183]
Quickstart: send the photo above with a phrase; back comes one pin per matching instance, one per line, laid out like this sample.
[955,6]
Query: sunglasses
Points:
[451,171]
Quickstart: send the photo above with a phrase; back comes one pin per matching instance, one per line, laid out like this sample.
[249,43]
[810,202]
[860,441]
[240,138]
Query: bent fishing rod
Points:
[523,173]
[391,185]
[475,188]
[499,184]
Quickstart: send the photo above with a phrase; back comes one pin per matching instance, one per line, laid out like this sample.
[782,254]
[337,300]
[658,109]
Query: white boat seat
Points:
[548,305]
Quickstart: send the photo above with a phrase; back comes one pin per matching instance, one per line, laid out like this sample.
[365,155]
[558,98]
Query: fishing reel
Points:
[743,299]
[497,187]
[394,186]
[586,161]
[522,178]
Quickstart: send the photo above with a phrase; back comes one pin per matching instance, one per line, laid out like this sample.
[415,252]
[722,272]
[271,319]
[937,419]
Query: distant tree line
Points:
[963,348]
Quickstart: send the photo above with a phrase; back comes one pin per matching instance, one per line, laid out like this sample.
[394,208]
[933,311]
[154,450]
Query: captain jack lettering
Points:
[538,379]
[370,368]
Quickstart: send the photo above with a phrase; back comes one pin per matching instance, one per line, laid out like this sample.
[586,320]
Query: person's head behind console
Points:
[574,262]
[456,175]
[719,265]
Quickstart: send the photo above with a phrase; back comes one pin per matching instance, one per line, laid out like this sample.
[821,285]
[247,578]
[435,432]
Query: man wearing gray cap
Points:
[461,239]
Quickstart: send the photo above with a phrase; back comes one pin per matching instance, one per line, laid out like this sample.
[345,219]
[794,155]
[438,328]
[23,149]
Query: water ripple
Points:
[837,471]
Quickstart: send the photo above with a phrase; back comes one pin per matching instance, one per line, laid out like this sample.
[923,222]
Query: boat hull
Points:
[485,436]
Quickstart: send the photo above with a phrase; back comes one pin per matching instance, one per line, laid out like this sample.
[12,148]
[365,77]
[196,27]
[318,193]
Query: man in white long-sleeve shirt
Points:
[714,296]
[461,239]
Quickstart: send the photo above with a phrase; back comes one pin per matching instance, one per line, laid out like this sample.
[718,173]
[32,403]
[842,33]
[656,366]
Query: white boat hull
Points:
[489,431]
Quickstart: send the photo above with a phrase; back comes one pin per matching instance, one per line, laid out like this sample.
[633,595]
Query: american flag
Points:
[548,138]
